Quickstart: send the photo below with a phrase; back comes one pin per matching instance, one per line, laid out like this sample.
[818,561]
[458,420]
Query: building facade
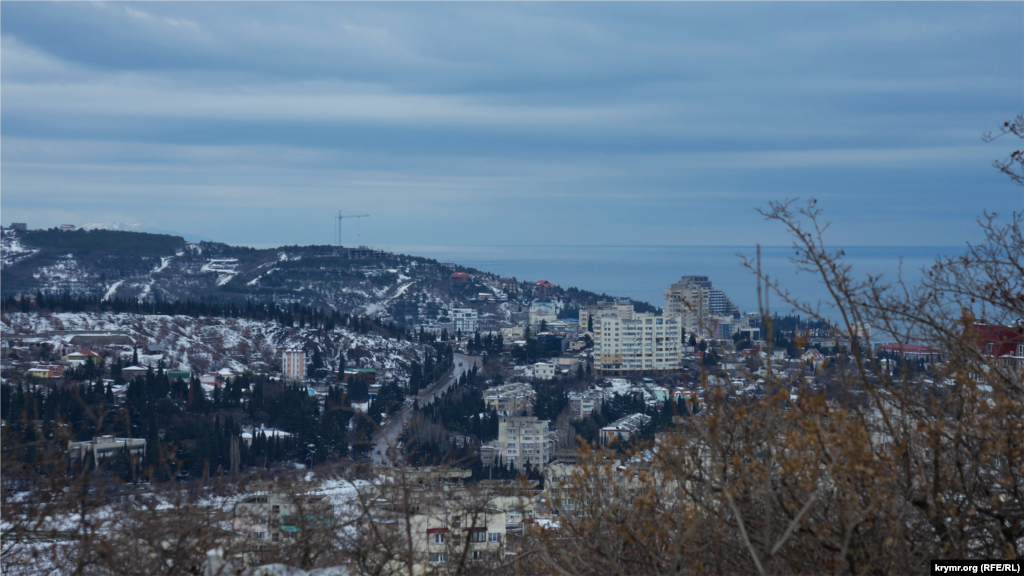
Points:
[293,364]
[645,343]
[542,312]
[524,439]
[464,320]
[511,399]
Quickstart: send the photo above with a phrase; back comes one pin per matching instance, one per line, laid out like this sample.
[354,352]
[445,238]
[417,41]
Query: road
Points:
[387,436]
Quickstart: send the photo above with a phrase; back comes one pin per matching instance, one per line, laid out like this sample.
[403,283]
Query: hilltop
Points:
[408,290]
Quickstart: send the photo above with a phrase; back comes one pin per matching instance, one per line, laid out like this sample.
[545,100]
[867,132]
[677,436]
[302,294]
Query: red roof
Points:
[1004,339]
[460,275]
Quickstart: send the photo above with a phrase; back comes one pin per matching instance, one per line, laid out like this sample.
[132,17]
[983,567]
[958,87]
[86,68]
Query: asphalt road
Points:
[387,436]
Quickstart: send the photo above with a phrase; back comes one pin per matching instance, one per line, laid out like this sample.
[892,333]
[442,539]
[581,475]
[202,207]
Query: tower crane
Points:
[339,218]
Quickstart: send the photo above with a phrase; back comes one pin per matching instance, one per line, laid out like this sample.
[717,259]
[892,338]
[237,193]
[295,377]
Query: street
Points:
[387,436]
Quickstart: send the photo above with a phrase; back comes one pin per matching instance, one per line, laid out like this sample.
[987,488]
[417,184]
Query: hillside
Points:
[115,264]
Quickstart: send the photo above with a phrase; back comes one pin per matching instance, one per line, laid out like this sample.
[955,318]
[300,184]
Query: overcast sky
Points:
[525,123]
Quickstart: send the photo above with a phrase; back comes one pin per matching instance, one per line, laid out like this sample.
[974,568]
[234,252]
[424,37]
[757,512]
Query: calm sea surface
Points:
[644,272]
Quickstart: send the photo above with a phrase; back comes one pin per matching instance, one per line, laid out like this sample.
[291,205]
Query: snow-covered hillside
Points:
[203,344]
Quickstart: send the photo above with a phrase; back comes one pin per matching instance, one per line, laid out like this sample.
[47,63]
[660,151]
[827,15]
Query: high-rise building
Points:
[524,439]
[293,364]
[638,343]
[696,301]
[621,308]
[510,399]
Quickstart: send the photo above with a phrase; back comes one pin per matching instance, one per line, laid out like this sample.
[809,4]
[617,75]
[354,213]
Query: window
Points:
[477,555]
[438,538]
[258,535]
[456,521]
[277,509]
[478,536]
[494,537]
[438,557]
[276,536]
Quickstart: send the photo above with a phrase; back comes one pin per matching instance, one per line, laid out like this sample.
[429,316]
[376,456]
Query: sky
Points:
[508,123]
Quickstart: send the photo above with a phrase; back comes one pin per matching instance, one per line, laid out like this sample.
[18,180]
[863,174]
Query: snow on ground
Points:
[112,290]
[12,251]
[212,343]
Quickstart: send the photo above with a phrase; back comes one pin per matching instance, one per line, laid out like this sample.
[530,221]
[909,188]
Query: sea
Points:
[644,272]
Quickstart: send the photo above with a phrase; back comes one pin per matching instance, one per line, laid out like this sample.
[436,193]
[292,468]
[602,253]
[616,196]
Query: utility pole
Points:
[339,218]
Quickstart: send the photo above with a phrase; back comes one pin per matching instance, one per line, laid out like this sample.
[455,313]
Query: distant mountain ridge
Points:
[123,264]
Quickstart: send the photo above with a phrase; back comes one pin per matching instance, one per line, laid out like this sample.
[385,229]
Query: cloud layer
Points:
[525,123]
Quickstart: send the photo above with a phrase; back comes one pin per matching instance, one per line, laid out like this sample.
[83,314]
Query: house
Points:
[175,374]
[46,371]
[459,278]
[911,352]
[544,370]
[544,288]
[82,356]
[624,428]
[153,350]
[814,356]
[131,372]
[369,375]
[67,227]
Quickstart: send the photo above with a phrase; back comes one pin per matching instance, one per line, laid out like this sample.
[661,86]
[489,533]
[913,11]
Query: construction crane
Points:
[340,217]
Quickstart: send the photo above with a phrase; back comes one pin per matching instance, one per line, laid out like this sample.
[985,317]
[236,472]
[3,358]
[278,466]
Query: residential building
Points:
[459,278]
[624,428]
[293,364]
[691,303]
[523,439]
[447,525]
[82,356]
[67,227]
[644,343]
[19,226]
[464,320]
[281,517]
[369,375]
[542,312]
[515,399]
[544,289]
[130,373]
[46,371]
[582,404]
[102,447]
[544,371]
[620,308]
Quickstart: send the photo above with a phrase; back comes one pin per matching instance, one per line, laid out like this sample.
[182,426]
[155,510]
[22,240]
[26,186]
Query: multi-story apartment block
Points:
[645,343]
[464,320]
[293,364]
[442,526]
[582,404]
[524,439]
[696,301]
[515,399]
[280,517]
[620,308]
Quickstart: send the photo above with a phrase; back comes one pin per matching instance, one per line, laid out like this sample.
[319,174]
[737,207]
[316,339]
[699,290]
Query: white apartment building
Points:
[293,364]
[622,309]
[510,399]
[464,320]
[644,343]
[524,439]
[544,371]
[542,312]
